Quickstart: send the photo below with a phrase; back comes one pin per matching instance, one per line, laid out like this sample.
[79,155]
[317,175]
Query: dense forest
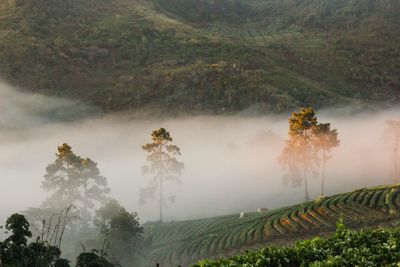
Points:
[208,56]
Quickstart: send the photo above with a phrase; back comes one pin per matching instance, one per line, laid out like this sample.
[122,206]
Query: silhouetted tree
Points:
[324,140]
[15,251]
[392,136]
[298,157]
[19,227]
[92,259]
[162,164]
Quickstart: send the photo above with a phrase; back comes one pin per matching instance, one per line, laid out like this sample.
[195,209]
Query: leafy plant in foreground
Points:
[379,247]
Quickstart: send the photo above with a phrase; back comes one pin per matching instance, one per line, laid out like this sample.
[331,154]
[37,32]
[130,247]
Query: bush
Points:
[344,248]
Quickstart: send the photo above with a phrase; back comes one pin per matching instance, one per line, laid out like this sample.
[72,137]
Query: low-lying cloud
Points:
[230,161]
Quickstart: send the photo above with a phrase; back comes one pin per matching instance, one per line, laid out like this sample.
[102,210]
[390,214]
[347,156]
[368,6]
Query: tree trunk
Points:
[306,187]
[161,211]
[306,166]
[395,159]
[85,206]
[160,179]
[323,175]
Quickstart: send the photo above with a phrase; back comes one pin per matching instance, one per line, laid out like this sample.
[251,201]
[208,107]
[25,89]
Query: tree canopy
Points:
[16,252]
[74,180]
[122,233]
[308,145]
[163,165]
[298,157]
[325,139]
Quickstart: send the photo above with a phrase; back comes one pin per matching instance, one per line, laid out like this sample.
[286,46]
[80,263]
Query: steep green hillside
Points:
[202,55]
[187,241]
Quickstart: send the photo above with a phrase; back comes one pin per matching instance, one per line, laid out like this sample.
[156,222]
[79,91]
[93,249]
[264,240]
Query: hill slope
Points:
[215,56]
[345,248]
[188,241]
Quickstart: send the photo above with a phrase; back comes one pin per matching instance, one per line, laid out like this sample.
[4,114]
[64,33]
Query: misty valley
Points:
[199,133]
[120,189]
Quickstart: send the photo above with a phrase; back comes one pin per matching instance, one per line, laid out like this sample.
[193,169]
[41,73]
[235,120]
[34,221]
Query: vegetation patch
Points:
[185,242]
[204,56]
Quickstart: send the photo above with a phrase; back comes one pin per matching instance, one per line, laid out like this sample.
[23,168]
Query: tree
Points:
[121,231]
[392,136]
[298,157]
[324,140]
[92,259]
[104,214]
[163,164]
[74,180]
[19,227]
[15,251]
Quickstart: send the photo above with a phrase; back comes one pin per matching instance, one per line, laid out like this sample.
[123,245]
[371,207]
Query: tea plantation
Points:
[186,242]
[345,248]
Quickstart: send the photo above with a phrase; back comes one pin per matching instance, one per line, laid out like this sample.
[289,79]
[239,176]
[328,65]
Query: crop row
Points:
[185,242]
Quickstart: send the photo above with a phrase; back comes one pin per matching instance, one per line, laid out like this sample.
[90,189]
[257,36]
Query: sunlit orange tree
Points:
[163,165]
[324,140]
[299,157]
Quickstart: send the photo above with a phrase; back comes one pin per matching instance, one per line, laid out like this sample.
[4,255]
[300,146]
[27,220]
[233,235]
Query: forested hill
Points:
[218,56]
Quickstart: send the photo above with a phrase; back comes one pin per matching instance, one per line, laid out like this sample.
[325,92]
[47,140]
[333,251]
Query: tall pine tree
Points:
[163,165]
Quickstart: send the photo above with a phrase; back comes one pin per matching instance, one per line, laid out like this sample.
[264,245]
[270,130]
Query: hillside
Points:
[186,242]
[204,56]
[345,248]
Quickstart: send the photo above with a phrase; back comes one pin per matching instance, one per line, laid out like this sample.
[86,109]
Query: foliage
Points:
[299,156]
[105,213]
[74,180]
[184,242]
[325,139]
[15,252]
[121,232]
[92,259]
[163,164]
[344,248]
[204,56]
[308,145]
[19,227]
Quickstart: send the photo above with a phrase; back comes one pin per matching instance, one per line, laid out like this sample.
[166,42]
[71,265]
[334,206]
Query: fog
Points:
[227,168]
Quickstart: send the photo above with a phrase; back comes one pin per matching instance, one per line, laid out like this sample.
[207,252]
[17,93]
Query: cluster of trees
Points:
[308,147]
[79,208]
[309,144]
[16,252]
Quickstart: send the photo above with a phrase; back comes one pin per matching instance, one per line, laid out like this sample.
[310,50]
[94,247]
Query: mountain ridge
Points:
[202,56]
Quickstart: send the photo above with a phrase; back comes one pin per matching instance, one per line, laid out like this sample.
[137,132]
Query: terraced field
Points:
[188,241]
